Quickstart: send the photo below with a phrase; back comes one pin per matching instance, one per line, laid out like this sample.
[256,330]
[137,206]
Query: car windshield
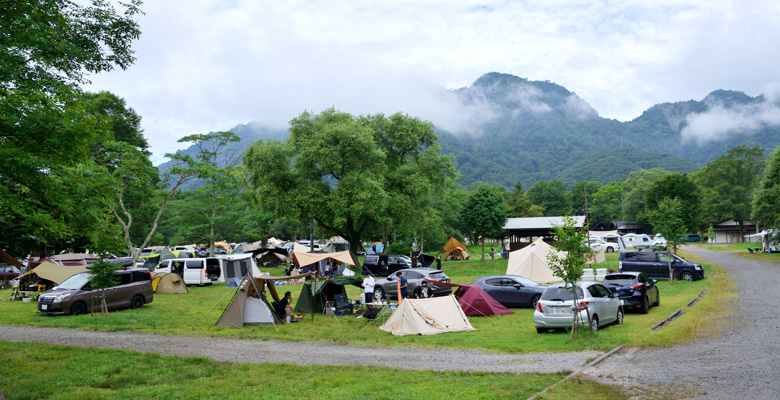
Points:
[560,294]
[438,276]
[525,281]
[75,282]
[619,280]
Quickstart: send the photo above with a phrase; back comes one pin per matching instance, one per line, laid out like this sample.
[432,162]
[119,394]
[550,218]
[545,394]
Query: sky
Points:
[209,65]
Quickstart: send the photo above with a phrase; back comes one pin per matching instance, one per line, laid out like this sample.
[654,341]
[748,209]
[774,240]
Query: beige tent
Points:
[55,272]
[311,258]
[250,306]
[531,262]
[168,283]
[427,317]
[454,249]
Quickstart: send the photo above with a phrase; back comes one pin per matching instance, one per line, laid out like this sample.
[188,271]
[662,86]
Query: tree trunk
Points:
[483,247]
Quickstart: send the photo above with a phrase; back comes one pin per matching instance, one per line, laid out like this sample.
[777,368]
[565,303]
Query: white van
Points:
[194,271]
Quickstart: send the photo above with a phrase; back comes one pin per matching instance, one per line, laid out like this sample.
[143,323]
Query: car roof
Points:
[632,273]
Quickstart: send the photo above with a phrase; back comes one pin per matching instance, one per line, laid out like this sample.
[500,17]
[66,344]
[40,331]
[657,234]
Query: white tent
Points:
[237,266]
[427,317]
[531,262]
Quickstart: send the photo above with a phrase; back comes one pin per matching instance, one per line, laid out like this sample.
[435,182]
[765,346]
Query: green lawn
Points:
[195,313]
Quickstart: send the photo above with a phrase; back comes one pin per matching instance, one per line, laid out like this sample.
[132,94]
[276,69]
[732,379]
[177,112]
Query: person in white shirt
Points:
[368,286]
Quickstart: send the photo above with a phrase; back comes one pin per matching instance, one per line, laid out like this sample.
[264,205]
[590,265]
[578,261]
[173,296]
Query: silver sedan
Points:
[556,307]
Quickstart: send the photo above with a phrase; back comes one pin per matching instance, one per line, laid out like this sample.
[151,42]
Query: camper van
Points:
[638,241]
[194,271]
[615,238]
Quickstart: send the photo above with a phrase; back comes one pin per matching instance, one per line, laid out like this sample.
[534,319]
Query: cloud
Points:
[719,122]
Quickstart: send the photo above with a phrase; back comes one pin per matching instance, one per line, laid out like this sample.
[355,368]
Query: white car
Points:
[659,241]
[555,309]
[599,245]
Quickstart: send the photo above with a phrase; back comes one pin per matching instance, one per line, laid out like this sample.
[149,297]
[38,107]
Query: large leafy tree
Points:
[668,219]
[484,214]
[47,49]
[578,191]
[519,206]
[766,199]
[607,203]
[728,183]
[681,187]
[635,188]
[552,196]
[354,176]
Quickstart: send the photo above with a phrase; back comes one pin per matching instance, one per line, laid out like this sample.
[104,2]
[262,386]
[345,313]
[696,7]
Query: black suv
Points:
[384,264]
[655,264]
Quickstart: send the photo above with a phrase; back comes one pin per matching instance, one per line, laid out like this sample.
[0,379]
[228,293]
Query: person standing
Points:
[327,268]
[368,287]
[492,253]
[403,287]
[438,262]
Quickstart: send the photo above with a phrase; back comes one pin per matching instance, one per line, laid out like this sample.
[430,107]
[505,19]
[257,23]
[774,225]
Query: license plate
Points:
[44,307]
[559,310]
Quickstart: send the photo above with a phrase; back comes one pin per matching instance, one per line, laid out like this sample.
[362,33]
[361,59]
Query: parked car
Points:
[598,245]
[655,264]
[555,309]
[387,288]
[659,242]
[8,272]
[693,237]
[194,271]
[385,264]
[512,290]
[635,289]
[74,295]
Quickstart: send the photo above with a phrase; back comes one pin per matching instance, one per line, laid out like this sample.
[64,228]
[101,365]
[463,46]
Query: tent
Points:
[224,245]
[237,266]
[274,242]
[168,283]
[314,294]
[272,256]
[250,306]
[531,262]
[303,259]
[427,317]
[476,302]
[55,272]
[6,258]
[336,244]
[151,260]
[454,250]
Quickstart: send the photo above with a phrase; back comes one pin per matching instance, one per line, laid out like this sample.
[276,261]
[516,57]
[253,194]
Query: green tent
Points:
[324,290]
[151,260]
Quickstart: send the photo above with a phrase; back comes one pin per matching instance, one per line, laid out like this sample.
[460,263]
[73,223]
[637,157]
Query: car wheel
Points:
[645,306]
[686,276]
[594,324]
[619,319]
[137,301]
[610,250]
[534,300]
[541,330]
[78,308]
[379,293]
[657,299]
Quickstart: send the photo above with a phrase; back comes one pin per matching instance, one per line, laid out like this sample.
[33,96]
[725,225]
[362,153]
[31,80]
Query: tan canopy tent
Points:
[168,283]
[427,317]
[311,258]
[531,262]
[250,305]
[6,258]
[55,272]
[454,248]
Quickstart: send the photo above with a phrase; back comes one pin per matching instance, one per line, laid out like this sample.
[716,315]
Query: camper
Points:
[615,238]
[194,271]
[638,241]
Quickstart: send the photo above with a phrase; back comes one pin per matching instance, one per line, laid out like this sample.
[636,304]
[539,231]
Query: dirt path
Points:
[741,362]
[305,353]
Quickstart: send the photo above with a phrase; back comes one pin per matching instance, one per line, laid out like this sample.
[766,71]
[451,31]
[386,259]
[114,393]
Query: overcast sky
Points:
[208,65]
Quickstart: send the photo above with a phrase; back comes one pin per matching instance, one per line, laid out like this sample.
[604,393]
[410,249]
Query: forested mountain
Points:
[526,131]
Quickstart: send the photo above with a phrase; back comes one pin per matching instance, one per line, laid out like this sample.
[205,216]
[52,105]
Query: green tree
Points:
[635,188]
[567,263]
[102,275]
[353,176]
[668,219]
[681,187]
[577,199]
[484,214]
[607,204]
[766,199]
[728,183]
[519,206]
[552,196]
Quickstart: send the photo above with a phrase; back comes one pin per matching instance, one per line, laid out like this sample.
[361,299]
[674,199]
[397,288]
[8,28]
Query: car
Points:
[512,290]
[598,245]
[8,272]
[387,288]
[385,264]
[555,309]
[74,295]
[659,242]
[655,264]
[693,237]
[635,289]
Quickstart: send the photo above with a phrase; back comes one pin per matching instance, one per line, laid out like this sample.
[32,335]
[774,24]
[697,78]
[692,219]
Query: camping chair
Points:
[373,314]
[341,303]
[750,250]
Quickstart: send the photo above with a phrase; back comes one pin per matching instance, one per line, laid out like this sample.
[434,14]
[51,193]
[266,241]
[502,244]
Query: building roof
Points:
[540,222]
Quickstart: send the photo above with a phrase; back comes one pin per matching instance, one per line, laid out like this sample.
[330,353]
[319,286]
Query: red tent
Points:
[474,301]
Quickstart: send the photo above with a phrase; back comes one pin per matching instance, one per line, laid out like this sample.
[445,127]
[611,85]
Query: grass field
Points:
[195,313]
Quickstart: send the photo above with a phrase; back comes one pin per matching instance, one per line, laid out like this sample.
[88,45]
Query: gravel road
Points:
[741,362]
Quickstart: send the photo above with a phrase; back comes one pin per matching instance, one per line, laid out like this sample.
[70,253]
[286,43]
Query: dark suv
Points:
[74,295]
[655,264]
[384,264]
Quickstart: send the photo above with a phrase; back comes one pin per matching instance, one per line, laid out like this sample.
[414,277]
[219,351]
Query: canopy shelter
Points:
[74,258]
[250,305]
[151,260]
[6,258]
[168,283]
[454,250]
[303,260]
[476,302]
[427,317]
[270,257]
[531,262]
[56,273]
[315,294]
[425,259]
[224,245]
